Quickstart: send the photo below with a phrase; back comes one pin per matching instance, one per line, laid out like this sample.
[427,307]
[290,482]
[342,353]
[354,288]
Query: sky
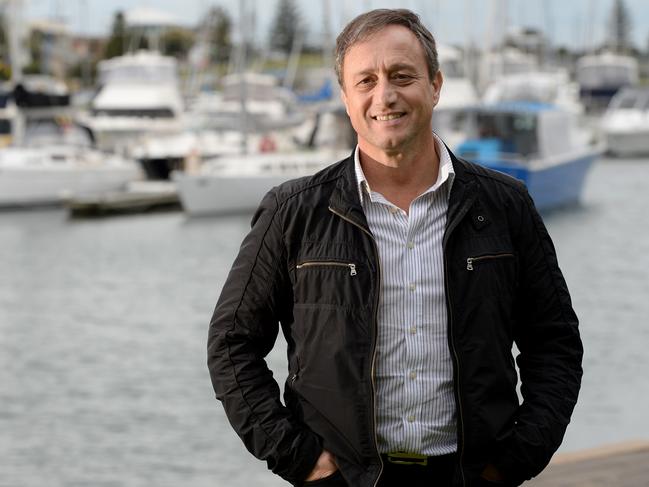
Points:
[572,23]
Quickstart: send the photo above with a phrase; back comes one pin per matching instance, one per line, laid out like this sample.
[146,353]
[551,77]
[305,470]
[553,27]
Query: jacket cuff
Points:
[307,453]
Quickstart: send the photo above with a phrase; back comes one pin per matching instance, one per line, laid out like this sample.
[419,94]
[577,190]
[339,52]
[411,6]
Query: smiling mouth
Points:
[388,117]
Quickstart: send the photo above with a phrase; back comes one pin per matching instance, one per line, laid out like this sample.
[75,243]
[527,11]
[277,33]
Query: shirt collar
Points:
[445,173]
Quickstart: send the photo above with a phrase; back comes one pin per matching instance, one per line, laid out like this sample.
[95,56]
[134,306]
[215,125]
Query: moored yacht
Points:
[539,144]
[600,76]
[237,183]
[625,124]
[50,174]
[138,94]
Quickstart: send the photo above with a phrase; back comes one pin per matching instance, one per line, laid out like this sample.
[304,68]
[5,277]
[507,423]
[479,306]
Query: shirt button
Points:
[413,330]
[413,374]
[394,209]
[412,286]
[411,418]
[411,245]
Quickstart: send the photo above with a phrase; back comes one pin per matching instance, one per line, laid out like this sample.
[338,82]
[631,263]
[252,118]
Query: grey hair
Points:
[369,23]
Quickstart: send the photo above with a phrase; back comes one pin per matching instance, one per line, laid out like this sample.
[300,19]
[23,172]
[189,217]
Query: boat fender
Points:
[267,144]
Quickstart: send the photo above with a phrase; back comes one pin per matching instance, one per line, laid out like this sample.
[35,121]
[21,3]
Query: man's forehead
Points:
[393,40]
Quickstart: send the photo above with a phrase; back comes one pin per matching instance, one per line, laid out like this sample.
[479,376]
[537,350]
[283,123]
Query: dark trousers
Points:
[437,473]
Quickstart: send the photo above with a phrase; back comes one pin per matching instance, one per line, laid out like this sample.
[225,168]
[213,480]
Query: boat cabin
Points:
[630,99]
[516,132]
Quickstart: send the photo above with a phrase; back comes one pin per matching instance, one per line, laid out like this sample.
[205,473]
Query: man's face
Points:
[387,92]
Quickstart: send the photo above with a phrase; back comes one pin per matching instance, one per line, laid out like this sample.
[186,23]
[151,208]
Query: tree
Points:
[286,26]
[35,53]
[620,28]
[117,43]
[219,27]
[3,36]
[5,71]
[177,42]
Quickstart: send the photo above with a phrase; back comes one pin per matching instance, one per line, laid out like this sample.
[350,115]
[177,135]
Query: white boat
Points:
[268,106]
[49,175]
[238,183]
[550,86]
[625,124]
[215,125]
[600,76]
[506,61]
[458,93]
[139,94]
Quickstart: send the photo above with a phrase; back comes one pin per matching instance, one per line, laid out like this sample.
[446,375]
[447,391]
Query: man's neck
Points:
[401,177]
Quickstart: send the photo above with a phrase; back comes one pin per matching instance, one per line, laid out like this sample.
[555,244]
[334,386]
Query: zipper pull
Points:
[469,264]
[352,269]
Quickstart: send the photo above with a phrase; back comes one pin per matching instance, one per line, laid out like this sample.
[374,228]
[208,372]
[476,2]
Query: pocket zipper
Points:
[471,260]
[352,267]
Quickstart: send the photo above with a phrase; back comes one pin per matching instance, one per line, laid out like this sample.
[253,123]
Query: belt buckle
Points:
[404,458]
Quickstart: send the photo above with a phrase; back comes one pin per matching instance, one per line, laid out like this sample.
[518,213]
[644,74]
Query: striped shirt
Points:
[415,403]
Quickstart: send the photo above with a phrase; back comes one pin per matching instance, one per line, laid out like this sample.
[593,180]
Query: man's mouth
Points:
[387,117]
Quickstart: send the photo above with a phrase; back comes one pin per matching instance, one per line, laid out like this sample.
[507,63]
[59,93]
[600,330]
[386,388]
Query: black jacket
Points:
[503,286]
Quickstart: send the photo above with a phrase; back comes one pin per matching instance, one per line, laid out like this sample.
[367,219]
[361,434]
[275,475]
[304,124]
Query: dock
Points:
[139,197]
[619,465]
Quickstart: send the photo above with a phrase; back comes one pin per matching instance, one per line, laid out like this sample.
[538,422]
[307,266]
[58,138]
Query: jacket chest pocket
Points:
[323,263]
[491,271]
[486,259]
[331,281]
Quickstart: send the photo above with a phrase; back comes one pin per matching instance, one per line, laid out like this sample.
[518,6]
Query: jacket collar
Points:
[345,199]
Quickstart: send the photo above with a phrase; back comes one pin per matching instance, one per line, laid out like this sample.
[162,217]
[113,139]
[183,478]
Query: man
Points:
[401,278]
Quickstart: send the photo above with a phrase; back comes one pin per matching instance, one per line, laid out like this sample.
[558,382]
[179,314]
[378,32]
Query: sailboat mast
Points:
[14,26]
[241,61]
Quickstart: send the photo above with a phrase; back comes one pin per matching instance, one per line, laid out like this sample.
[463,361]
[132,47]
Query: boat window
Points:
[515,132]
[5,126]
[451,68]
[626,100]
[149,112]
[4,99]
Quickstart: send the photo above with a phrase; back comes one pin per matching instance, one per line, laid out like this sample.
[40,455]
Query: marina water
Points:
[103,324]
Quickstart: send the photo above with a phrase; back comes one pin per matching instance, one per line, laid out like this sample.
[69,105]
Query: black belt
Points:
[405,458]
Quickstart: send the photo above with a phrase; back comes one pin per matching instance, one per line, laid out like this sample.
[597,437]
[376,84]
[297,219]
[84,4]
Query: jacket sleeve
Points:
[242,332]
[547,336]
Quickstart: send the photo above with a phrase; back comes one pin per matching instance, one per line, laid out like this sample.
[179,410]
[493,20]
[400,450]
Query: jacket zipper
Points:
[352,267]
[376,332]
[458,397]
[472,260]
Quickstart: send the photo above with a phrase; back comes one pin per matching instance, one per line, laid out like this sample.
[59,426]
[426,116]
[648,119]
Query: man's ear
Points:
[438,80]
[343,97]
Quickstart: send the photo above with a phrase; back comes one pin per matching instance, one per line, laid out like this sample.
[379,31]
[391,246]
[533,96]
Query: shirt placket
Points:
[412,328]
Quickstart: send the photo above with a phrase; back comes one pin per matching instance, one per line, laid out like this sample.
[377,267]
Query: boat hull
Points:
[209,195]
[627,144]
[31,178]
[238,184]
[552,185]
[559,185]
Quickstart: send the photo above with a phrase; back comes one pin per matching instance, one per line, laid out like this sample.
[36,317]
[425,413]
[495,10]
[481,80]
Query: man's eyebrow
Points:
[400,66]
[391,69]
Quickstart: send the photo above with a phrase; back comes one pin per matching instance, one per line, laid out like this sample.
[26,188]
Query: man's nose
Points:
[386,92]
